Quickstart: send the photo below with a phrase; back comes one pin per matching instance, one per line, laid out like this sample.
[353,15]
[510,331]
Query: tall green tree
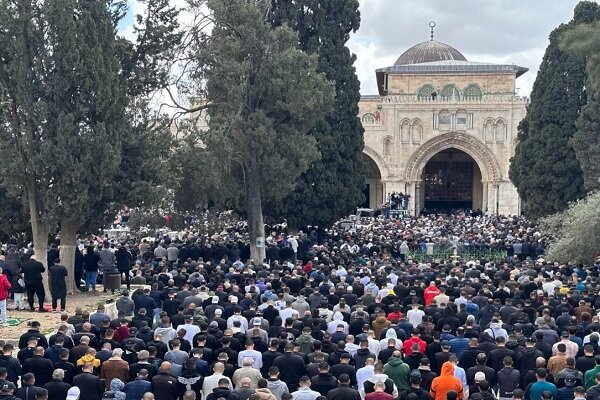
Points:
[77,136]
[267,96]
[86,100]
[24,110]
[584,40]
[333,185]
[544,168]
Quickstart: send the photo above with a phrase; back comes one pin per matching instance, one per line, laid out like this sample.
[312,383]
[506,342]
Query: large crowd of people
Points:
[331,314]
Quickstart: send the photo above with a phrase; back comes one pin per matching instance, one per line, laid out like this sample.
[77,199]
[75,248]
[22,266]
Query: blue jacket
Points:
[459,345]
[135,389]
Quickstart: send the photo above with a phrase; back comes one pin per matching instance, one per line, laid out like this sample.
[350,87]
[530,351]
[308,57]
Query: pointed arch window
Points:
[450,92]
[405,131]
[426,92]
[472,92]
[368,118]
[388,147]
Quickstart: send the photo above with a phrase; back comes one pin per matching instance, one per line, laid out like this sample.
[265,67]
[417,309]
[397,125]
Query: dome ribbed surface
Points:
[429,51]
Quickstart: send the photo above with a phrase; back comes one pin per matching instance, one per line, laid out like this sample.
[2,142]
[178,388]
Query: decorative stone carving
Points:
[490,170]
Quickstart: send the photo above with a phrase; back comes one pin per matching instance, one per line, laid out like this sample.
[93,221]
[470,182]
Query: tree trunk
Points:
[68,243]
[256,226]
[40,236]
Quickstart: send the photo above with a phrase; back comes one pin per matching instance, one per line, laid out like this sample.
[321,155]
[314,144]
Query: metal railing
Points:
[461,255]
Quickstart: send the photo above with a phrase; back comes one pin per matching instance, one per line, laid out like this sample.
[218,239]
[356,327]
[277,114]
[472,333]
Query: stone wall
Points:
[489,83]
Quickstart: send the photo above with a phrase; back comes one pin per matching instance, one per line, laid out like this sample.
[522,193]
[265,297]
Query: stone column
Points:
[417,196]
[497,197]
[484,200]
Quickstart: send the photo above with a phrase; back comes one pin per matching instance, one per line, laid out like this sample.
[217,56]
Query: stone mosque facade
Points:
[442,129]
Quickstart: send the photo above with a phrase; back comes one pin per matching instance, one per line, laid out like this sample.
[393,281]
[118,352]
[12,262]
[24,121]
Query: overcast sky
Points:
[502,31]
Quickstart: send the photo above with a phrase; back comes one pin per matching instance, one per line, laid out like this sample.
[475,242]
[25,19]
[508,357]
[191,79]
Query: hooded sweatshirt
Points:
[495,330]
[390,386]
[390,334]
[88,358]
[277,388]
[305,342]
[265,394]
[379,325]
[445,383]
[399,372]
[116,386]
[338,319]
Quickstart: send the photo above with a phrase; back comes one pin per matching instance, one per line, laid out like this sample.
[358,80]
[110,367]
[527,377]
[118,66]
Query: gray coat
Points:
[107,261]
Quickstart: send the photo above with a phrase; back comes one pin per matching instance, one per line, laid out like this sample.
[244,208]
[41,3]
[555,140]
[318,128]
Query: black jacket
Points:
[27,392]
[32,272]
[124,259]
[468,358]
[508,380]
[340,369]
[41,367]
[427,378]
[164,387]
[58,284]
[496,357]
[323,383]
[490,374]
[13,366]
[360,358]
[70,370]
[421,393]
[343,392]
[90,386]
[42,341]
[292,368]
[224,393]
[57,390]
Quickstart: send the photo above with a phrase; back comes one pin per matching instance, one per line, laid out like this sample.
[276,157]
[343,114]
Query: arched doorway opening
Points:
[451,180]
[373,190]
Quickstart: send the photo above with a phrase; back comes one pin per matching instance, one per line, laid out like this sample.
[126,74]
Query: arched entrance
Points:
[373,190]
[451,180]
[480,155]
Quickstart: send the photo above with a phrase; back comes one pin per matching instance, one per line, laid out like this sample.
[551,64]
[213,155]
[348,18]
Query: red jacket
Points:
[394,315]
[121,333]
[407,346]
[4,287]
[430,293]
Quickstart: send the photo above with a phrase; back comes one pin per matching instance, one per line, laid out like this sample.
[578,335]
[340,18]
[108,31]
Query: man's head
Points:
[305,382]
[7,388]
[223,383]
[41,394]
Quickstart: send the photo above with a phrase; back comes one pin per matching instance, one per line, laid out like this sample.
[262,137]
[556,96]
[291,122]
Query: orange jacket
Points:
[445,383]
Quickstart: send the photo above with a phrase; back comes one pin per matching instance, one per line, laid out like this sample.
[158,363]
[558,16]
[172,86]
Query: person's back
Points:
[90,386]
[536,389]
[291,367]
[446,382]
[343,391]
[398,371]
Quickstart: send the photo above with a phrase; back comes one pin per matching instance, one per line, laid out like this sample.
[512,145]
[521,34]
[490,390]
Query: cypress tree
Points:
[332,186]
[584,40]
[268,96]
[544,168]
[586,141]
